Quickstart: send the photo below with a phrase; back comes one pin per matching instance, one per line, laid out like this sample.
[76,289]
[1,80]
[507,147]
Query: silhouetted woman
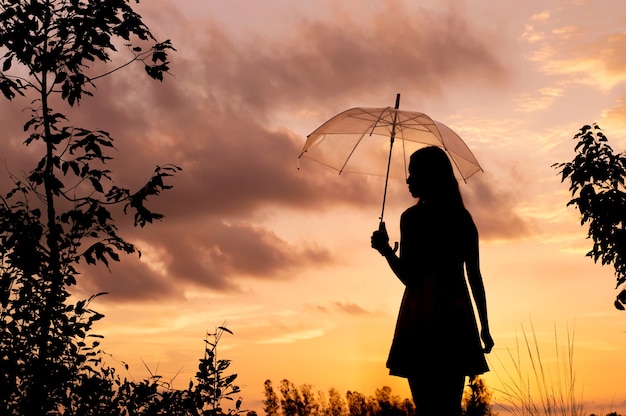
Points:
[436,342]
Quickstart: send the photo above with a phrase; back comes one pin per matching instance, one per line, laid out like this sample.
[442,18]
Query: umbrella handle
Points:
[382,227]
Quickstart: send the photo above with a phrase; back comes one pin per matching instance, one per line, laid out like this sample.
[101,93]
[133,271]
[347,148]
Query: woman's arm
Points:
[380,242]
[475,279]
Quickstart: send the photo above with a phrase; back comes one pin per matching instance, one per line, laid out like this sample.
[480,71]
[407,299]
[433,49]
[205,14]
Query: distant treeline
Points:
[304,401]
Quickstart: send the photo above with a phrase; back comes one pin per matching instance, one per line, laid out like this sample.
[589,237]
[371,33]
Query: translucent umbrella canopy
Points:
[361,140]
[358,140]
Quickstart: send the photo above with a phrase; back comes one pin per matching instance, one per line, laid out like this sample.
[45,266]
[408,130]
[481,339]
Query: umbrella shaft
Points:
[382,212]
[391,140]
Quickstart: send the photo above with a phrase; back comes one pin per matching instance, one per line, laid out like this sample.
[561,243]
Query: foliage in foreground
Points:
[596,176]
[113,396]
[549,388]
[303,401]
[103,392]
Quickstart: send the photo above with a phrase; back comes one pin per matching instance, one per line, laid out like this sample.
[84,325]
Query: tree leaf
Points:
[96,184]
[6,65]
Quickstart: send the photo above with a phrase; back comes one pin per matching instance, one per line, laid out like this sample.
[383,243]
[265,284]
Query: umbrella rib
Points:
[361,138]
[351,153]
[443,144]
[380,116]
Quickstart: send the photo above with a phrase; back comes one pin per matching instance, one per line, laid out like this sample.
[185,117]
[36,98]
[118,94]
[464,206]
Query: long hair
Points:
[435,170]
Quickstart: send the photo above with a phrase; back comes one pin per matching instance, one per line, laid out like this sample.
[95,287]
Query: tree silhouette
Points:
[291,402]
[271,405]
[386,403]
[357,403]
[477,399]
[309,403]
[336,404]
[596,176]
[58,214]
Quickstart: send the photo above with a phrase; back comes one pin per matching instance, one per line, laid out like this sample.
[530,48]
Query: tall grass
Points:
[534,386]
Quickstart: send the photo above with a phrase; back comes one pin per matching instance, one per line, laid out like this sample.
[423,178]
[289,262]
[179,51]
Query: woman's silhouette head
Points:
[431,177]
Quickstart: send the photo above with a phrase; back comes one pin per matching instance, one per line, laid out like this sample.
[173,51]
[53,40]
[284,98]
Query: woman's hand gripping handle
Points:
[380,241]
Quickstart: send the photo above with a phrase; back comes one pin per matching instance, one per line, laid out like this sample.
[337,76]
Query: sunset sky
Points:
[283,254]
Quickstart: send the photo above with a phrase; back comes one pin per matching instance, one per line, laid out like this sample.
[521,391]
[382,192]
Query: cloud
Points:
[210,255]
[538,100]
[541,17]
[348,308]
[213,118]
[531,35]
[567,32]
[129,280]
[291,337]
[576,52]
[494,211]
[351,308]
[614,117]
[331,60]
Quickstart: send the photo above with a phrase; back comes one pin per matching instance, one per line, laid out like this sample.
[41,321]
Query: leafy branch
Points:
[596,176]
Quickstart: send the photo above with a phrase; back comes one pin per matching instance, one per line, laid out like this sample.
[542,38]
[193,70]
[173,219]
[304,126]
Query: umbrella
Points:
[352,141]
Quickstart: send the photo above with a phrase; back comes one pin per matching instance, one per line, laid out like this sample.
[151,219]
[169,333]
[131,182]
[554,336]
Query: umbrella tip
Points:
[397,101]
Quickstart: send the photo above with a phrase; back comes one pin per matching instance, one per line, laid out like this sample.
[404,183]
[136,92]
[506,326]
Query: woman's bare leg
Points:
[437,394]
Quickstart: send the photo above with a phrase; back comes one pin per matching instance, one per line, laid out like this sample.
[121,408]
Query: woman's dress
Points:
[436,328]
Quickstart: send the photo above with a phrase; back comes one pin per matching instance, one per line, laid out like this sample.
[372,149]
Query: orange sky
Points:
[283,254]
